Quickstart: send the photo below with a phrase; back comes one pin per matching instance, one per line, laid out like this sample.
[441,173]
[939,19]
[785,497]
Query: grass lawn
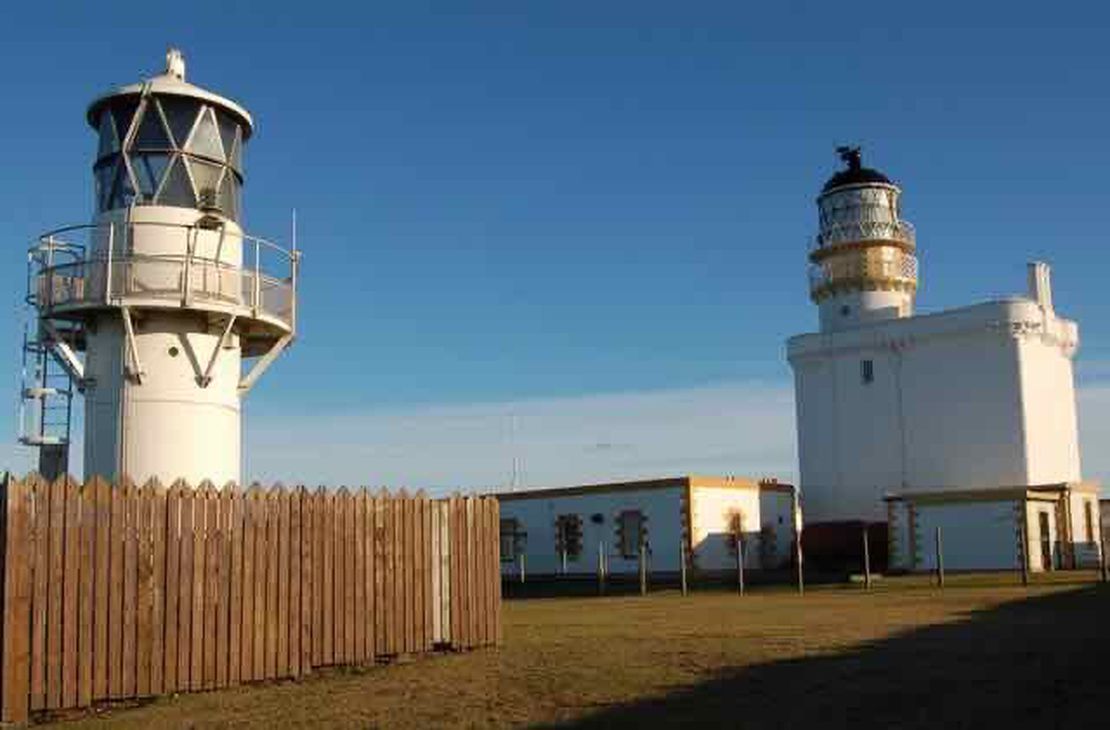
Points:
[980,654]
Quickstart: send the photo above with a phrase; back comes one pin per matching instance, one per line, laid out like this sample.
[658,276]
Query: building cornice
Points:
[1015,319]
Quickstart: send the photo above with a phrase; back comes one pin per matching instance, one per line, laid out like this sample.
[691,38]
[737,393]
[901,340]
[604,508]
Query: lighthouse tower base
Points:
[154,414]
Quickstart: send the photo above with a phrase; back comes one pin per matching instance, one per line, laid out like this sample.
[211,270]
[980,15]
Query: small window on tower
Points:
[867,371]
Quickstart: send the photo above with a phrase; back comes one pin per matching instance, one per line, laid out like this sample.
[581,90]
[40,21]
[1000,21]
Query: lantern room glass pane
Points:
[206,176]
[229,195]
[235,157]
[151,133]
[123,189]
[124,110]
[177,188]
[104,174]
[181,114]
[206,138]
[149,170]
[109,140]
[228,131]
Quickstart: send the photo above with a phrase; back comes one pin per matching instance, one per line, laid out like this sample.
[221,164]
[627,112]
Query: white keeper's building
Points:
[573,530]
[963,419]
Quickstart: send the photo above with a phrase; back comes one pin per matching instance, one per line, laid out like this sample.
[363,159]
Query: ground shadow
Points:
[1039,663]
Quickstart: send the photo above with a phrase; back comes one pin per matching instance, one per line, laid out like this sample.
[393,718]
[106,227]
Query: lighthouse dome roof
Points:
[170,83]
[855,173]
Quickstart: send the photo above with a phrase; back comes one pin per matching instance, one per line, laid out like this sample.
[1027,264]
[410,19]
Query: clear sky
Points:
[590,215]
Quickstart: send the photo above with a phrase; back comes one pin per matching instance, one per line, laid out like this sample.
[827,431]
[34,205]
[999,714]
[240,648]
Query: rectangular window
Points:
[512,540]
[630,528]
[568,536]
[1089,517]
[867,371]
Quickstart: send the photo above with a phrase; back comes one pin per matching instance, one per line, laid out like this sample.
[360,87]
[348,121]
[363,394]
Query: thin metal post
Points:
[740,563]
[940,559]
[643,570]
[866,560]
[1105,568]
[797,540]
[1023,547]
[522,569]
[186,283]
[108,263]
[682,564]
[50,271]
[294,260]
[564,561]
[601,568]
[257,277]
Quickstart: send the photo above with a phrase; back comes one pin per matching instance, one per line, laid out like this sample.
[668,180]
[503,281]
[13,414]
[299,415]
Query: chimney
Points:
[1040,284]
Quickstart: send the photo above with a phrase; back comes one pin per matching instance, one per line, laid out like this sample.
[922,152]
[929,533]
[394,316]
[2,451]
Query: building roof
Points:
[690,480]
[994,494]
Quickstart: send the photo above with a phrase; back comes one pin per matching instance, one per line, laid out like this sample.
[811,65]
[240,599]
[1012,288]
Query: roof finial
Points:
[850,155]
[175,63]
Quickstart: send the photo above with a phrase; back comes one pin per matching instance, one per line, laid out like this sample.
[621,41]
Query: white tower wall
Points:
[167,422]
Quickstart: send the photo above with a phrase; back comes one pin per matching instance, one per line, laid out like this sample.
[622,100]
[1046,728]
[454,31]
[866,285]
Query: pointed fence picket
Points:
[122,591]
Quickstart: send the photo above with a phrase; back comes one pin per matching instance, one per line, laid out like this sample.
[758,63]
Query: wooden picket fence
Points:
[113,592]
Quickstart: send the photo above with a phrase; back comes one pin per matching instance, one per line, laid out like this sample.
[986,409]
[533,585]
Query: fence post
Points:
[601,568]
[1105,568]
[740,563]
[643,569]
[797,540]
[940,560]
[15,618]
[1023,549]
[866,560]
[682,563]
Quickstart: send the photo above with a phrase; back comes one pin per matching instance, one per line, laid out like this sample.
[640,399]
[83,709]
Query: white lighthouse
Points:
[962,419]
[162,311]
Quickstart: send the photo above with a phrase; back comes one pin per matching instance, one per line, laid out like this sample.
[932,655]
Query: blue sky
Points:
[555,210]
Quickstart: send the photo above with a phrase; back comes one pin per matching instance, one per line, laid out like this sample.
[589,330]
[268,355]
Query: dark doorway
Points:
[1046,541]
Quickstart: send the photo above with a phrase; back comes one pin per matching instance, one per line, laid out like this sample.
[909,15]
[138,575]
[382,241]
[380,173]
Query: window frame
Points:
[623,539]
[867,371]
[517,539]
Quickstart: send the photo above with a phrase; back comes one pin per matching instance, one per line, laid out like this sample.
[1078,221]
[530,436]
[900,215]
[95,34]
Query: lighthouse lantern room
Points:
[863,265]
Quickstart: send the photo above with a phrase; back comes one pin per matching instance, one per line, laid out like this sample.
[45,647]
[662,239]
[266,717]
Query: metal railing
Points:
[902,268]
[95,266]
[863,230]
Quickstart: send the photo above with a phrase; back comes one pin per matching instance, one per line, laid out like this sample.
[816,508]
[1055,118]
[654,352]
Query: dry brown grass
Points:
[905,655]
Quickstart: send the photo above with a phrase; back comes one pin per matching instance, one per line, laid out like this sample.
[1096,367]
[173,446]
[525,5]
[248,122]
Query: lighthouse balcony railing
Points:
[902,268]
[102,271]
[863,231]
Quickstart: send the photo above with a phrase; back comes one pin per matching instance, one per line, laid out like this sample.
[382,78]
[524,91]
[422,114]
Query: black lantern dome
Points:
[855,173]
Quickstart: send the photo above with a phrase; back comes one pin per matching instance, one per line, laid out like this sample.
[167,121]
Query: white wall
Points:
[712,512]
[1049,413]
[974,535]
[662,507]
[171,428]
[976,397]
[776,513]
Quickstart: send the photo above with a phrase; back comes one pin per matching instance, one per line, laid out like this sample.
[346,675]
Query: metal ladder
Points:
[46,387]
